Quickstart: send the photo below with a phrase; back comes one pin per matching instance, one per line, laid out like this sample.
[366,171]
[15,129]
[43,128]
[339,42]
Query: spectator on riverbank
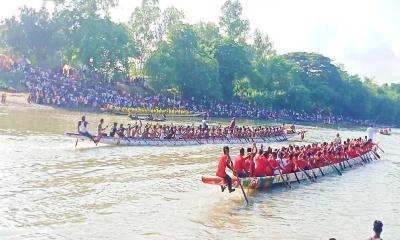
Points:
[3,98]
[90,91]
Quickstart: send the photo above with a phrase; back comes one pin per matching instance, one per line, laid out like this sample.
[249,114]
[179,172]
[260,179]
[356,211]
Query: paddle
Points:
[322,173]
[333,166]
[244,194]
[347,160]
[283,179]
[380,148]
[239,180]
[259,135]
[305,173]
[376,155]
[315,175]
[316,164]
[363,159]
[312,170]
[373,154]
[295,174]
[197,140]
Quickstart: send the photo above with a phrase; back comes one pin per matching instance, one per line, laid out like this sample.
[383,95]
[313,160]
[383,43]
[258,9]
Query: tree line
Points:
[221,61]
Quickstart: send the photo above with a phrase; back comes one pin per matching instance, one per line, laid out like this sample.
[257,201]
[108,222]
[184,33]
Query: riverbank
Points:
[19,99]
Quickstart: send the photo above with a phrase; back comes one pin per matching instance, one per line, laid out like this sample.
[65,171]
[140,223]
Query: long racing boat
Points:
[264,183]
[183,142]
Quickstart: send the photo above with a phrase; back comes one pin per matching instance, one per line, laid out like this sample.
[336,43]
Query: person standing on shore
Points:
[378,230]
[3,98]
[29,98]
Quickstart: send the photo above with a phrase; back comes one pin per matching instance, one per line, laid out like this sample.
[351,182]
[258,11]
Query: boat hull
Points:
[263,183]
[180,142]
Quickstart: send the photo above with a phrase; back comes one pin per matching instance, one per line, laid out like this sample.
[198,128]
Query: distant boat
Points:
[385,131]
[148,118]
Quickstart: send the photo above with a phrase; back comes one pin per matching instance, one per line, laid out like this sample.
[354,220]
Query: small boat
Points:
[385,132]
[263,183]
[189,115]
[148,118]
[182,142]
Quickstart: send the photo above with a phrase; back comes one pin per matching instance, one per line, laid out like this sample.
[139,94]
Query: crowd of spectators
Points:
[88,90]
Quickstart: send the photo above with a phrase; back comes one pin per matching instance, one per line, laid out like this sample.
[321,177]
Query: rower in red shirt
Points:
[239,164]
[224,162]
[260,164]
[290,166]
[273,163]
[301,163]
[351,152]
[250,165]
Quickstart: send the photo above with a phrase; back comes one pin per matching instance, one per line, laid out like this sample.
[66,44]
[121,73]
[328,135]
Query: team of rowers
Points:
[185,132]
[269,162]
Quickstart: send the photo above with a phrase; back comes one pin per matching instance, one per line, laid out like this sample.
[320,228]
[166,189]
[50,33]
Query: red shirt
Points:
[223,162]
[273,163]
[352,153]
[250,166]
[301,163]
[260,166]
[239,164]
[289,168]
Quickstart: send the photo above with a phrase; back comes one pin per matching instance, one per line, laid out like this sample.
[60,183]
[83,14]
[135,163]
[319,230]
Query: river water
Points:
[50,189]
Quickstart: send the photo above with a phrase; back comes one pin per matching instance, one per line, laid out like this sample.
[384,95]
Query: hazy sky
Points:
[364,35]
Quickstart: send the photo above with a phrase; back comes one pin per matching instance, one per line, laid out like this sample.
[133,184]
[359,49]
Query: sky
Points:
[363,35]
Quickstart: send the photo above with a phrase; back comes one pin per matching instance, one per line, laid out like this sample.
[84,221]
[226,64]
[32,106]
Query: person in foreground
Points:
[378,230]
[224,162]
[82,129]
[100,131]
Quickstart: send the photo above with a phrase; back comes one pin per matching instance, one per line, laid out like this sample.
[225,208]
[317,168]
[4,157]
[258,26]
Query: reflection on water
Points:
[51,190]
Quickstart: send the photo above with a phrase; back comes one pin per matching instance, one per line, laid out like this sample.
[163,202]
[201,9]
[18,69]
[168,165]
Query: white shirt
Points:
[371,133]
[203,123]
[82,127]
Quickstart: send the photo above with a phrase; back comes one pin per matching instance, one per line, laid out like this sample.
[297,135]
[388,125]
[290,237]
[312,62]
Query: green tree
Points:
[182,52]
[170,18]
[262,46]
[161,68]
[233,64]
[35,35]
[143,25]
[101,45]
[231,21]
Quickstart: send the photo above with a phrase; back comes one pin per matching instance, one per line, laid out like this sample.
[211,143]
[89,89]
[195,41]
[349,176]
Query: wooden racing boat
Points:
[147,118]
[263,183]
[182,142]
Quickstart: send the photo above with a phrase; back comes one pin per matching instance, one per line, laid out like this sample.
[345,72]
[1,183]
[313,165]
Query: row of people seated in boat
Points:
[175,132]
